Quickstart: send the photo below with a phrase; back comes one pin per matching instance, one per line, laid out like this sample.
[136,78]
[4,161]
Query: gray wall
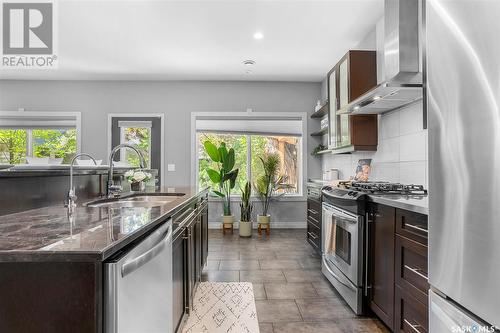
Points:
[95,99]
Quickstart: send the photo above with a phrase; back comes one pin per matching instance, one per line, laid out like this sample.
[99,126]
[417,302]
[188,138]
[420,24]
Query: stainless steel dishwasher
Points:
[138,286]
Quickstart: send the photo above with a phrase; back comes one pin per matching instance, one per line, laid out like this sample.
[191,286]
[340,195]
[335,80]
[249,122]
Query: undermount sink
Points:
[135,200]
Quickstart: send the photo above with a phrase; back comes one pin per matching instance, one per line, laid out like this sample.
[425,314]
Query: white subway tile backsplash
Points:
[413,172]
[389,125]
[401,155]
[385,172]
[387,150]
[412,147]
[411,119]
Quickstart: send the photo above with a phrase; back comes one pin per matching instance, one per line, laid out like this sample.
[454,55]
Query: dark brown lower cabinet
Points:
[51,297]
[411,314]
[411,268]
[381,230]
[398,285]
[314,224]
[179,271]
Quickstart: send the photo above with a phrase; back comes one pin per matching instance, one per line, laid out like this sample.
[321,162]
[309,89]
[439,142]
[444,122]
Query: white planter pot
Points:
[228,219]
[264,219]
[245,229]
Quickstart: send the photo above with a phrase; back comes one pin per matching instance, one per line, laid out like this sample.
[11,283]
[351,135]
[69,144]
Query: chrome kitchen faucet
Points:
[112,189]
[72,193]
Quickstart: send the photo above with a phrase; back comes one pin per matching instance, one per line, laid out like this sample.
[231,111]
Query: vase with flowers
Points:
[137,179]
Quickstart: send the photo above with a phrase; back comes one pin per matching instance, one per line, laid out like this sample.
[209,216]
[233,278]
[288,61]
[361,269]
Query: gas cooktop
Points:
[388,188]
[357,190]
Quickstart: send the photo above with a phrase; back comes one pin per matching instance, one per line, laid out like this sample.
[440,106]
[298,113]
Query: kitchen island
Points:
[52,261]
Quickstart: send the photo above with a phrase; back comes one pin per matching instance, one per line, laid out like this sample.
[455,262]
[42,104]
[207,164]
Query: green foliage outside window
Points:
[12,146]
[54,143]
[139,137]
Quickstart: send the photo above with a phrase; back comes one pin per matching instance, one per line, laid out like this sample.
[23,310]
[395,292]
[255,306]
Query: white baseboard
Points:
[275,225]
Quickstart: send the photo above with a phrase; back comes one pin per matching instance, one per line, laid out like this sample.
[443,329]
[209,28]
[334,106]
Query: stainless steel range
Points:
[344,240]
[342,243]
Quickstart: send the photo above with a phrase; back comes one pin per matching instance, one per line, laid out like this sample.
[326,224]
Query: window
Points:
[235,141]
[139,137]
[57,143]
[287,147]
[38,134]
[252,135]
[16,144]
[13,147]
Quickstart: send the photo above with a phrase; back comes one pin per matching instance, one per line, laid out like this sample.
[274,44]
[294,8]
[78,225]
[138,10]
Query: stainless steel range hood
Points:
[401,62]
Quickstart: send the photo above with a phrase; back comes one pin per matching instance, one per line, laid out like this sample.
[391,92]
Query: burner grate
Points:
[388,188]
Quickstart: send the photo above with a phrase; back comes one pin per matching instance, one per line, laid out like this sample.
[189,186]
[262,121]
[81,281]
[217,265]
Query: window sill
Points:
[288,198]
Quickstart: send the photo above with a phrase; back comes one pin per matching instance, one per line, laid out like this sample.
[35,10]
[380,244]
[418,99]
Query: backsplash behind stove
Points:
[402,150]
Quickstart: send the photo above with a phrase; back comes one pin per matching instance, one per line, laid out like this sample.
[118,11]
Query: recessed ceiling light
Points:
[376,98]
[258,35]
[356,107]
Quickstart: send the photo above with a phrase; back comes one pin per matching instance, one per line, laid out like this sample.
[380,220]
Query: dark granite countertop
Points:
[46,234]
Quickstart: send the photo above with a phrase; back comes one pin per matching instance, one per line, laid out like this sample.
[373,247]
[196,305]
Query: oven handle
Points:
[325,264]
[337,212]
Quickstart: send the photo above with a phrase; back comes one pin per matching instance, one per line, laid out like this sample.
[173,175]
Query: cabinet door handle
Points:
[313,235]
[416,271]
[412,226]
[312,211]
[312,218]
[413,327]
[314,224]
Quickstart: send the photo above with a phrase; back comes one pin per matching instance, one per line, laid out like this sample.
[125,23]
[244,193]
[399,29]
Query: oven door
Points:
[341,232]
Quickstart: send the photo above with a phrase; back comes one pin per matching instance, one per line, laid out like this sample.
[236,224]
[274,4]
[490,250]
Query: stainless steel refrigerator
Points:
[463,103]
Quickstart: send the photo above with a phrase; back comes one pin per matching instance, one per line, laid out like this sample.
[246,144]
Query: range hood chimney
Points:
[402,75]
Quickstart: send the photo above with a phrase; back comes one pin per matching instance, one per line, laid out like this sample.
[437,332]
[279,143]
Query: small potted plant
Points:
[246,211]
[223,177]
[137,179]
[268,184]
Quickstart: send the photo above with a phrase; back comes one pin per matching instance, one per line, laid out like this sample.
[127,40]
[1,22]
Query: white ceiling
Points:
[204,40]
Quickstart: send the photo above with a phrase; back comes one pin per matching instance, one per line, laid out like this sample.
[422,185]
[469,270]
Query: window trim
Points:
[42,114]
[249,113]
[162,136]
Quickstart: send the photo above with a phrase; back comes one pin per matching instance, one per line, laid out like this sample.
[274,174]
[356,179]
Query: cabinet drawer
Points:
[314,236]
[411,268]
[314,209]
[412,225]
[314,221]
[411,316]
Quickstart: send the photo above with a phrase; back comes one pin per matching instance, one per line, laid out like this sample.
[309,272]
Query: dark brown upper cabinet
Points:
[352,76]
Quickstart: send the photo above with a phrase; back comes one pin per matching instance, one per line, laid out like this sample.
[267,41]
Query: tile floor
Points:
[291,293]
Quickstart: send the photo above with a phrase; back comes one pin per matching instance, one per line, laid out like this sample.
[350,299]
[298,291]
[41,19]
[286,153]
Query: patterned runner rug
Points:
[223,307]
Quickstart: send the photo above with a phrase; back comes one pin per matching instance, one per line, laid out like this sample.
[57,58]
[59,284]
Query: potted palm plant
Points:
[246,211]
[268,184]
[223,176]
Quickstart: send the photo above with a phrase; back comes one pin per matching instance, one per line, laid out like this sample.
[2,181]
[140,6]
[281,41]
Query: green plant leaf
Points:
[223,154]
[228,163]
[212,151]
[231,176]
[222,195]
[214,176]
